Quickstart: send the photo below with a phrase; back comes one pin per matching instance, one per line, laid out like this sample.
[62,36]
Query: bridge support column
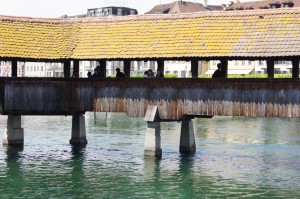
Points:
[78,130]
[14,134]
[187,137]
[153,140]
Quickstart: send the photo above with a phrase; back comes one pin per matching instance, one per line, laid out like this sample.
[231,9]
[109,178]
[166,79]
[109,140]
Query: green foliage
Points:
[137,76]
[170,75]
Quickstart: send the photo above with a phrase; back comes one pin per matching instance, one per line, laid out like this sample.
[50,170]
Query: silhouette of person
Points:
[150,73]
[89,74]
[218,73]
[119,73]
[75,74]
[159,73]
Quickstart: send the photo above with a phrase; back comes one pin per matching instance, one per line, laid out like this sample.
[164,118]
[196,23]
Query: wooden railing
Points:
[174,98]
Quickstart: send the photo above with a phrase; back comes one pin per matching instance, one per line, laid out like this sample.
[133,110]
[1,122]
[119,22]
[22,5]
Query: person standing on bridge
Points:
[159,73]
[219,72]
[119,73]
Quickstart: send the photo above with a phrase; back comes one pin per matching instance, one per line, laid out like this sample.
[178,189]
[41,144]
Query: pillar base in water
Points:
[152,140]
[187,138]
[78,141]
[78,130]
[153,153]
[14,134]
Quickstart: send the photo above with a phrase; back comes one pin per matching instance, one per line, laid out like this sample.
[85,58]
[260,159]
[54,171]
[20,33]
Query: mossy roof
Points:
[253,33]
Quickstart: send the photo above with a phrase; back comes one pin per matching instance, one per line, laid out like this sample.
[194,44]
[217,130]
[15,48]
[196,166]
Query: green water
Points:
[235,158]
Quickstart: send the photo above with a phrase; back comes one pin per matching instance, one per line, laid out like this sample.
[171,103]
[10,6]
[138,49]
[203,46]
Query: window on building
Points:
[167,72]
[42,68]
[98,13]
[260,62]
[119,12]
[236,63]
[215,62]
[183,73]
[243,63]
[249,63]
[132,12]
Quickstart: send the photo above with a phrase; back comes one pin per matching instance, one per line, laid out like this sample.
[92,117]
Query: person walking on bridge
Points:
[219,72]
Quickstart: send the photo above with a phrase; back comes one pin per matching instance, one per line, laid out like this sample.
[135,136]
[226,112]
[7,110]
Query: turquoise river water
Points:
[236,158]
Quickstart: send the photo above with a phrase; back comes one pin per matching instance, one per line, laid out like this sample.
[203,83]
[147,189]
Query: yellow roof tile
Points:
[207,34]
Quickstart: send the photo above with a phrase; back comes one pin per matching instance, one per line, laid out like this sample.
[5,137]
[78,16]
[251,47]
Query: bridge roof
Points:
[253,33]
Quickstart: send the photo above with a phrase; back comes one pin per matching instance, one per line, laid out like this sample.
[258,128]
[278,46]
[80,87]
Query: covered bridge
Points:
[248,35]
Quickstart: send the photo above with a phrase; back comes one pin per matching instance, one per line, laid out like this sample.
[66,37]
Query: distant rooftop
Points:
[181,7]
[265,4]
[105,11]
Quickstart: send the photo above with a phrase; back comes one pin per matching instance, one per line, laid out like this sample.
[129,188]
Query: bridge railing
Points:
[174,98]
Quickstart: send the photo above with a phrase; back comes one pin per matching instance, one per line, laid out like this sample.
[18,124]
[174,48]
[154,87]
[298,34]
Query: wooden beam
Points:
[295,72]
[127,65]
[270,68]
[67,68]
[161,65]
[224,63]
[76,68]
[194,68]
[103,66]
[14,68]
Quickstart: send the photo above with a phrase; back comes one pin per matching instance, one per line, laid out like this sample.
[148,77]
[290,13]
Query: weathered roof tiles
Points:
[257,33]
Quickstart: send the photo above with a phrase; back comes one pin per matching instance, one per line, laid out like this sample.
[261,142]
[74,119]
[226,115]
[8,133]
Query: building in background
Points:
[178,7]
[111,11]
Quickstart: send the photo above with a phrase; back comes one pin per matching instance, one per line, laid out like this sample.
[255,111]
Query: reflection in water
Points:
[235,157]
[14,169]
[77,170]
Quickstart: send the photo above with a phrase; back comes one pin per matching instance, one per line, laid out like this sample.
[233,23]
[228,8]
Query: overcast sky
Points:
[57,8]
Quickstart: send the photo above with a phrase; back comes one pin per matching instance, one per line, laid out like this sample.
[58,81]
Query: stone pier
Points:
[153,140]
[78,130]
[14,134]
[187,137]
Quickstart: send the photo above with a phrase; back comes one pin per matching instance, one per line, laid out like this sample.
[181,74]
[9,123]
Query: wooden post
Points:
[76,67]
[295,72]
[67,66]
[102,63]
[194,68]
[14,68]
[127,67]
[161,65]
[224,63]
[270,68]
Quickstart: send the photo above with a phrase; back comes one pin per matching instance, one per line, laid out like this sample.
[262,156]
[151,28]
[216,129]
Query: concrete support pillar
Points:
[153,140]
[78,130]
[14,134]
[187,137]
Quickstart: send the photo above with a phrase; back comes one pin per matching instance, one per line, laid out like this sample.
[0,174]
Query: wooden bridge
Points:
[266,35]
[157,100]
